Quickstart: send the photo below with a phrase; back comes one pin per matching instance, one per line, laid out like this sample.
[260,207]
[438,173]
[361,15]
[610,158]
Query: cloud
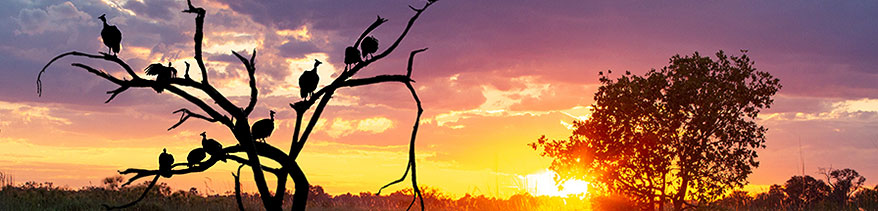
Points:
[26,114]
[156,9]
[59,18]
[340,127]
[859,110]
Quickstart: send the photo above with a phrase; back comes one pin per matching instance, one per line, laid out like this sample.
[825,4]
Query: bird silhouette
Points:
[195,156]
[369,46]
[112,36]
[262,129]
[212,147]
[163,75]
[308,81]
[165,162]
[351,56]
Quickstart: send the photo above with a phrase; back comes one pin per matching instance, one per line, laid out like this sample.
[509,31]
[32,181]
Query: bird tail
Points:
[153,69]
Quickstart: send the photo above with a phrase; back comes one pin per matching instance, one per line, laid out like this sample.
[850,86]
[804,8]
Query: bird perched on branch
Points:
[112,36]
[308,81]
[351,56]
[369,46]
[165,162]
[163,75]
[212,147]
[195,157]
[262,129]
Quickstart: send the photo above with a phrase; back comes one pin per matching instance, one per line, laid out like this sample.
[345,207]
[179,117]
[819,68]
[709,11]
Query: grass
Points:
[47,196]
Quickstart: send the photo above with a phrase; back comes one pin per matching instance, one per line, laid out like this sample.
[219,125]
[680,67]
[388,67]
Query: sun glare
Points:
[543,184]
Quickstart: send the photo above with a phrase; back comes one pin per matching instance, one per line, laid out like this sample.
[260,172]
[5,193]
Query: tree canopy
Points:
[684,134]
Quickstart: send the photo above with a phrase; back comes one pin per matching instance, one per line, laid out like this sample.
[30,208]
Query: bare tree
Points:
[236,118]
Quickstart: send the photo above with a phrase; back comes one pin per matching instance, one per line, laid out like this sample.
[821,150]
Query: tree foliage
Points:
[685,133]
[843,184]
[804,192]
[807,193]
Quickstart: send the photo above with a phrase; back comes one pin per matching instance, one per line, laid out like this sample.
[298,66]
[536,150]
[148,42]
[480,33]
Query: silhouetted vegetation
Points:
[806,193]
[46,196]
[813,195]
[685,134]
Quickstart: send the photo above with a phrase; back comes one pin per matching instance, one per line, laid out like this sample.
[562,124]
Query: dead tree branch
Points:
[199,36]
[325,94]
[251,71]
[142,196]
[264,149]
[374,25]
[238,188]
[186,114]
[103,56]
[412,145]
[236,118]
[125,84]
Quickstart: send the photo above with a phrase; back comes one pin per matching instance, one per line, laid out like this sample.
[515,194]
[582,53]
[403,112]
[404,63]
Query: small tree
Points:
[236,118]
[773,199]
[684,133]
[804,192]
[844,183]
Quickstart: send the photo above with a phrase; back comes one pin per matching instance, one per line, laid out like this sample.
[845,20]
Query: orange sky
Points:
[496,77]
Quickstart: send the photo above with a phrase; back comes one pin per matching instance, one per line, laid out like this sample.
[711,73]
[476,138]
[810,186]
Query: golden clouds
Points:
[300,34]
[27,113]
[341,127]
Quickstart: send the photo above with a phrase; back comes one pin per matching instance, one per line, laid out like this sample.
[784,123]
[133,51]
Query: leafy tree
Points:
[681,134]
[867,198]
[737,200]
[236,118]
[844,183]
[805,191]
[773,199]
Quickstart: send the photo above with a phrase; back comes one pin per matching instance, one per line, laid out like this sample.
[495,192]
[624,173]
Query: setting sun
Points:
[543,184]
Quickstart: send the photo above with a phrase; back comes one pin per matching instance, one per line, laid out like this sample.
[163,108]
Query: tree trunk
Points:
[242,134]
[681,193]
[300,196]
[661,205]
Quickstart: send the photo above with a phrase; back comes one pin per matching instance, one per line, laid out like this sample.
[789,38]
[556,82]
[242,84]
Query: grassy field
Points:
[46,196]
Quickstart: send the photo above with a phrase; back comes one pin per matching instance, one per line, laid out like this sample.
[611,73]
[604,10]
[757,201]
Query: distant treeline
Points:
[47,196]
[842,192]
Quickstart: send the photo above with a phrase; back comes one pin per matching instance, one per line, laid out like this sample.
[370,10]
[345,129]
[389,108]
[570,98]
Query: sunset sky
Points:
[497,76]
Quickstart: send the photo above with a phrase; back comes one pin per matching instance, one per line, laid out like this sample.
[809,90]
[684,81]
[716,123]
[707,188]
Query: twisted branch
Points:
[264,149]
[374,25]
[186,114]
[137,81]
[132,203]
[238,188]
[103,56]
[412,145]
[325,94]
[199,37]
[251,71]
